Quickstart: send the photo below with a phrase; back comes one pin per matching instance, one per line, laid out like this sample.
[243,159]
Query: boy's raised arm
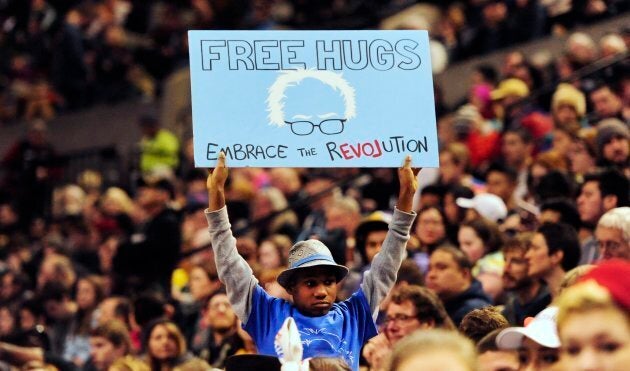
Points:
[382,274]
[216,185]
[408,178]
[233,270]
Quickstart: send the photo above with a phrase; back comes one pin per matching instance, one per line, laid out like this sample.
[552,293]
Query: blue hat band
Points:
[311,258]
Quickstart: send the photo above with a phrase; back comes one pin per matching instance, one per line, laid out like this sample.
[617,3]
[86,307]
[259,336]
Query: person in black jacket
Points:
[147,259]
[450,277]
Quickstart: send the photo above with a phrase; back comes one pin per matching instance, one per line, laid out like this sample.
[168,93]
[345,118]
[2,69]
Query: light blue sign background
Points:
[394,107]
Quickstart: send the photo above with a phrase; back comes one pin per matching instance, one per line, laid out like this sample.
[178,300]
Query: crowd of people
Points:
[514,254]
[58,56]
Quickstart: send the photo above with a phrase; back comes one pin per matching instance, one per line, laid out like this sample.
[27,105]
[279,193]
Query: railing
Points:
[588,70]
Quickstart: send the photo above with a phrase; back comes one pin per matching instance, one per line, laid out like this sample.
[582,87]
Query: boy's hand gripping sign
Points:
[312,98]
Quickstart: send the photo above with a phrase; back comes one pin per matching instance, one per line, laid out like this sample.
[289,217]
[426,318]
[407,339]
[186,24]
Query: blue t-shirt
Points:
[340,333]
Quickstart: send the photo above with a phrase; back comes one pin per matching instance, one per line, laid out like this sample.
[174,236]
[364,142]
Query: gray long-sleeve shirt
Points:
[240,282]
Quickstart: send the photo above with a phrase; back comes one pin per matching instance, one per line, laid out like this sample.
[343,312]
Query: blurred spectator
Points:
[596,308]
[430,229]
[203,281]
[31,168]
[554,250]
[273,251]
[574,275]
[288,181]
[517,148]
[159,148]
[606,103]
[600,192]
[269,215]
[159,237]
[612,44]
[223,337]
[613,234]
[491,358]
[583,154]
[505,98]
[450,277]
[455,214]
[613,144]
[369,237]
[559,210]
[480,322]
[343,215]
[568,105]
[434,349]
[481,241]
[56,268]
[493,31]
[69,72]
[580,50]
[166,348]
[525,295]
[484,205]
[60,313]
[411,308]
[537,342]
[108,343]
[454,162]
[503,181]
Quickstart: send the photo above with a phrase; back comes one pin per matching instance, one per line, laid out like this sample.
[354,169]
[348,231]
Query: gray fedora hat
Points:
[307,254]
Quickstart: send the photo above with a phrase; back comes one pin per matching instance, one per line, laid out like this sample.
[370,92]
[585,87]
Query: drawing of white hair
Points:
[275,100]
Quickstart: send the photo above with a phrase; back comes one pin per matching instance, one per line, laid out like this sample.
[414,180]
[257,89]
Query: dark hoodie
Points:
[460,305]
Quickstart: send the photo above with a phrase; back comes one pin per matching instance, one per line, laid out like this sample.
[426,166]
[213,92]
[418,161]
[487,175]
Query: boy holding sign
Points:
[327,328]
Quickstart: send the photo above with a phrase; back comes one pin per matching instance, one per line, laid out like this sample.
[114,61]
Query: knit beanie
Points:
[609,128]
[568,94]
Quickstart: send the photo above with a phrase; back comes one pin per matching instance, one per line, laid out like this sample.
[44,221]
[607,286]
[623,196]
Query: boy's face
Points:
[314,291]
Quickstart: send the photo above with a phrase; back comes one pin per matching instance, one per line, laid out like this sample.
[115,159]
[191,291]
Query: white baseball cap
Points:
[542,330]
[487,205]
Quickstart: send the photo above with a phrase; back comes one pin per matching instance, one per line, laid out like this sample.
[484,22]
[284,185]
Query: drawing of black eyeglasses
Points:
[328,126]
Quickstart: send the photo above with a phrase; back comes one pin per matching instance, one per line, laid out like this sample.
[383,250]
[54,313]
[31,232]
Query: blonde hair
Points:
[571,277]
[129,363]
[584,297]
[552,160]
[90,180]
[460,153]
[62,269]
[68,200]
[120,198]
[426,341]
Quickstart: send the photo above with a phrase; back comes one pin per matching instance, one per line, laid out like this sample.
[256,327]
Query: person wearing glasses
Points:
[411,308]
[613,234]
